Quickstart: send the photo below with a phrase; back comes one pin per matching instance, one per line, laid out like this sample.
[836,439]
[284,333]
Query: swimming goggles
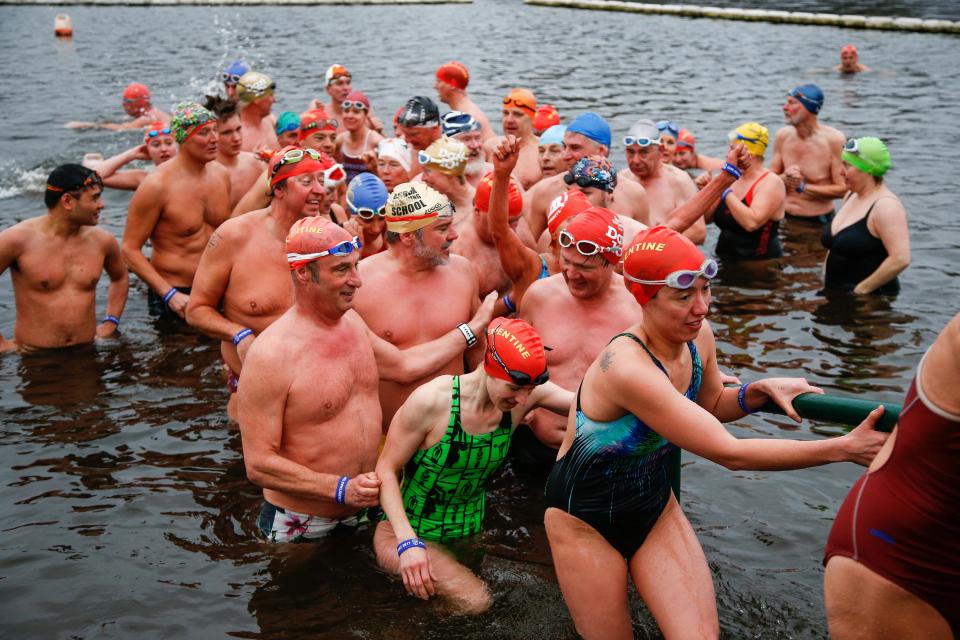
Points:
[92,180]
[733,136]
[320,124]
[587,181]
[293,156]
[520,378]
[297,260]
[518,103]
[682,279]
[333,176]
[366,213]
[585,248]
[669,127]
[230,78]
[158,132]
[356,105]
[640,142]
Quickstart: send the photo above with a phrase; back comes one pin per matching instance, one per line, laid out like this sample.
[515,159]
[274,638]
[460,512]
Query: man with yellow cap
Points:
[519,107]
[309,415]
[415,290]
[806,156]
[255,92]
[176,208]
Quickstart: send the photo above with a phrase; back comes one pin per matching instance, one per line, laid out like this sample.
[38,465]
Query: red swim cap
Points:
[564,207]
[161,129]
[312,234]
[310,162]
[519,349]
[315,120]
[546,116]
[481,201]
[686,139]
[136,92]
[653,255]
[454,74]
[359,96]
[601,227]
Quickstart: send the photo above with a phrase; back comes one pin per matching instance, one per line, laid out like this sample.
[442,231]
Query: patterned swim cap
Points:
[187,119]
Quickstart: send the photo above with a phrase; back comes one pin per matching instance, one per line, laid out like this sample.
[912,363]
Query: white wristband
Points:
[468,334]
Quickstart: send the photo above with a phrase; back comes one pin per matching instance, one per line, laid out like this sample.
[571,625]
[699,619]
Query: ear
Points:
[408,239]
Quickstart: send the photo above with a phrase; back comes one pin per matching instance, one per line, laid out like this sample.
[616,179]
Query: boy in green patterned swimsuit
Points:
[448,438]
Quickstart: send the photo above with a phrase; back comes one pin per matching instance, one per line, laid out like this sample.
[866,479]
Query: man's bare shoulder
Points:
[546,186]
[100,236]
[375,266]
[544,291]
[241,228]
[785,133]
[250,161]
[461,266]
[217,171]
[14,239]
[835,136]
[630,188]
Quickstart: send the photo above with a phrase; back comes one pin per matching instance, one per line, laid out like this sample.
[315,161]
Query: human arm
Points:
[701,204]
[261,408]
[552,397]
[889,222]
[409,364]
[697,232]
[117,290]
[111,165]
[837,187]
[768,198]
[519,262]
[776,161]
[10,247]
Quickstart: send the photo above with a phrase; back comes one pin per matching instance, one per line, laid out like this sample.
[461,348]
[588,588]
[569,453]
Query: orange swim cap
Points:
[481,200]
[521,99]
[515,353]
[293,161]
[653,255]
[686,139]
[600,227]
[454,74]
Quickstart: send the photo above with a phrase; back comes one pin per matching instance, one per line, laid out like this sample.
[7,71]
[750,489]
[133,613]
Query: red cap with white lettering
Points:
[653,255]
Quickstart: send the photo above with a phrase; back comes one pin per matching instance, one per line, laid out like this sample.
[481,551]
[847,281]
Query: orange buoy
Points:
[62,26]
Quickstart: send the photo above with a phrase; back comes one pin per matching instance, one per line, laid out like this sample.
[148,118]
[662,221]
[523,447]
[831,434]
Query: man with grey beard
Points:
[415,290]
[465,128]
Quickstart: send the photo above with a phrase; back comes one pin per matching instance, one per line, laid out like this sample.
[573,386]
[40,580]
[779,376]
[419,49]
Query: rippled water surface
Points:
[125,508]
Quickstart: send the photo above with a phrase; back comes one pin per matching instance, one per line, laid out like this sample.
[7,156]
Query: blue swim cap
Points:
[665,126]
[237,68]
[288,121]
[457,122]
[366,191]
[809,96]
[593,126]
[553,135]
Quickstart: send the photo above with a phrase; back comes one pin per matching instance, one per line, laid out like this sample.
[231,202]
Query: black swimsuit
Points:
[736,243]
[855,253]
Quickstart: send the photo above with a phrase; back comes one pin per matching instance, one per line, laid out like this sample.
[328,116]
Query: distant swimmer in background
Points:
[55,262]
[451,87]
[231,76]
[158,147]
[287,129]
[687,158]
[519,107]
[669,132]
[136,102]
[338,83]
[850,61]
[255,92]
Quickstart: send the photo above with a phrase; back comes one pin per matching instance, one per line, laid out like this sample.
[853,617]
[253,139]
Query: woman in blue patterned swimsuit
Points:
[654,388]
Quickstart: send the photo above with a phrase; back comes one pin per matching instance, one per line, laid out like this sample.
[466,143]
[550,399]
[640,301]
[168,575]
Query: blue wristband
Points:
[726,192]
[169,295]
[742,400]
[409,544]
[732,170]
[508,303]
[342,489]
[114,319]
[240,335]
[801,186]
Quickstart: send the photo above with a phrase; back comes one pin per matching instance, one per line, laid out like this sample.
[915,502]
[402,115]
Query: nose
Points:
[701,302]
[452,234]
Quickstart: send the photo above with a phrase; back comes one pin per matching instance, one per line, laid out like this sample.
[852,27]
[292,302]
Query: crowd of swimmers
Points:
[399,313]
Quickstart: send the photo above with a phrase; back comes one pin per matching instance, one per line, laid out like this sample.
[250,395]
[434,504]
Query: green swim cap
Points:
[868,154]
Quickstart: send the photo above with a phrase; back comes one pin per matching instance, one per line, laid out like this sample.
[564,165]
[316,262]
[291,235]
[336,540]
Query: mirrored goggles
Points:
[158,132]
[682,279]
[293,156]
[297,260]
[640,142]
[520,378]
[355,105]
[585,248]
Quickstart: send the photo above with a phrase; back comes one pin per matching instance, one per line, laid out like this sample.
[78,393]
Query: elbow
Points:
[255,474]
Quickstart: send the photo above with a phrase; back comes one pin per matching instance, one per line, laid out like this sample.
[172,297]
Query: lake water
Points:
[124,504]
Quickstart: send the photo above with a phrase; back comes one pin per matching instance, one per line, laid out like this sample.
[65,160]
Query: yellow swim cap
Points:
[253,85]
[753,135]
[414,205]
[445,155]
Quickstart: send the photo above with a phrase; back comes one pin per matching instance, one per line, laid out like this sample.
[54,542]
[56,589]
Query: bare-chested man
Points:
[443,164]
[255,92]
[176,208]
[420,124]
[243,270]
[415,290]
[850,61]
[550,146]
[465,128]
[806,154]
[56,262]
[451,86]
[667,186]
[137,105]
[588,134]
[519,107]
[243,166]
[309,415]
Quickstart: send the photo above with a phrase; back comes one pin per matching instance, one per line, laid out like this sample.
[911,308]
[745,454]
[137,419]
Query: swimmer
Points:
[656,386]
[588,134]
[519,107]
[288,129]
[443,164]
[367,204]
[667,187]
[158,147]
[255,92]
[687,158]
[312,447]
[449,437]
[57,260]
[451,87]
[137,105]
[550,147]
[465,128]
[242,284]
[415,273]
[596,178]
[358,137]
[850,61]
[318,131]
[394,162]
[806,156]
[338,83]
[244,167]
[547,116]
[419,122]
[669,132]
[231,76]
[176,208]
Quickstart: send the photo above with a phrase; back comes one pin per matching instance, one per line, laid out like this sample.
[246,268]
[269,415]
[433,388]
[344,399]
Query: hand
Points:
[782,391]
[478,323]
[178,304]
[864,442]
[369,159]
[140,152]
[417,573]
[352,226]
[363,490]
[702,180]
[744,159]
[792,177]
[8,346]
[726,378]
[375,123]
[505,155]
[105,330]
[861,290]
[92,160]
[244,347]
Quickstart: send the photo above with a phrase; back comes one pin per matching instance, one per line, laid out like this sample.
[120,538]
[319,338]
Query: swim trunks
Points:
[736,243]
[822,219]
[902,521]
[159,309]
[544,270]
[444,487]
[283,525]
[614,477]
[855,254]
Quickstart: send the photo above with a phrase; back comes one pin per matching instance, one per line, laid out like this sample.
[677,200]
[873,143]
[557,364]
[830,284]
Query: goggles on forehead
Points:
[293,156]
[356,105]
[682,279]
[733,136]
[158,132]
[520,378]
[230,78]
[297,260]
[669,127]
[518,103]
[92,180]
[320,124]
[585,248]
[640,141]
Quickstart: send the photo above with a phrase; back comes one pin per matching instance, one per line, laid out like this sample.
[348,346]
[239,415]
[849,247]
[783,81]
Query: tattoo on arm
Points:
[214,239]
[606,359]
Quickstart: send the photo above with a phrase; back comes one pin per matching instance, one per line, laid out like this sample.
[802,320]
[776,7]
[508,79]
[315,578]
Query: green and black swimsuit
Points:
[444,487]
